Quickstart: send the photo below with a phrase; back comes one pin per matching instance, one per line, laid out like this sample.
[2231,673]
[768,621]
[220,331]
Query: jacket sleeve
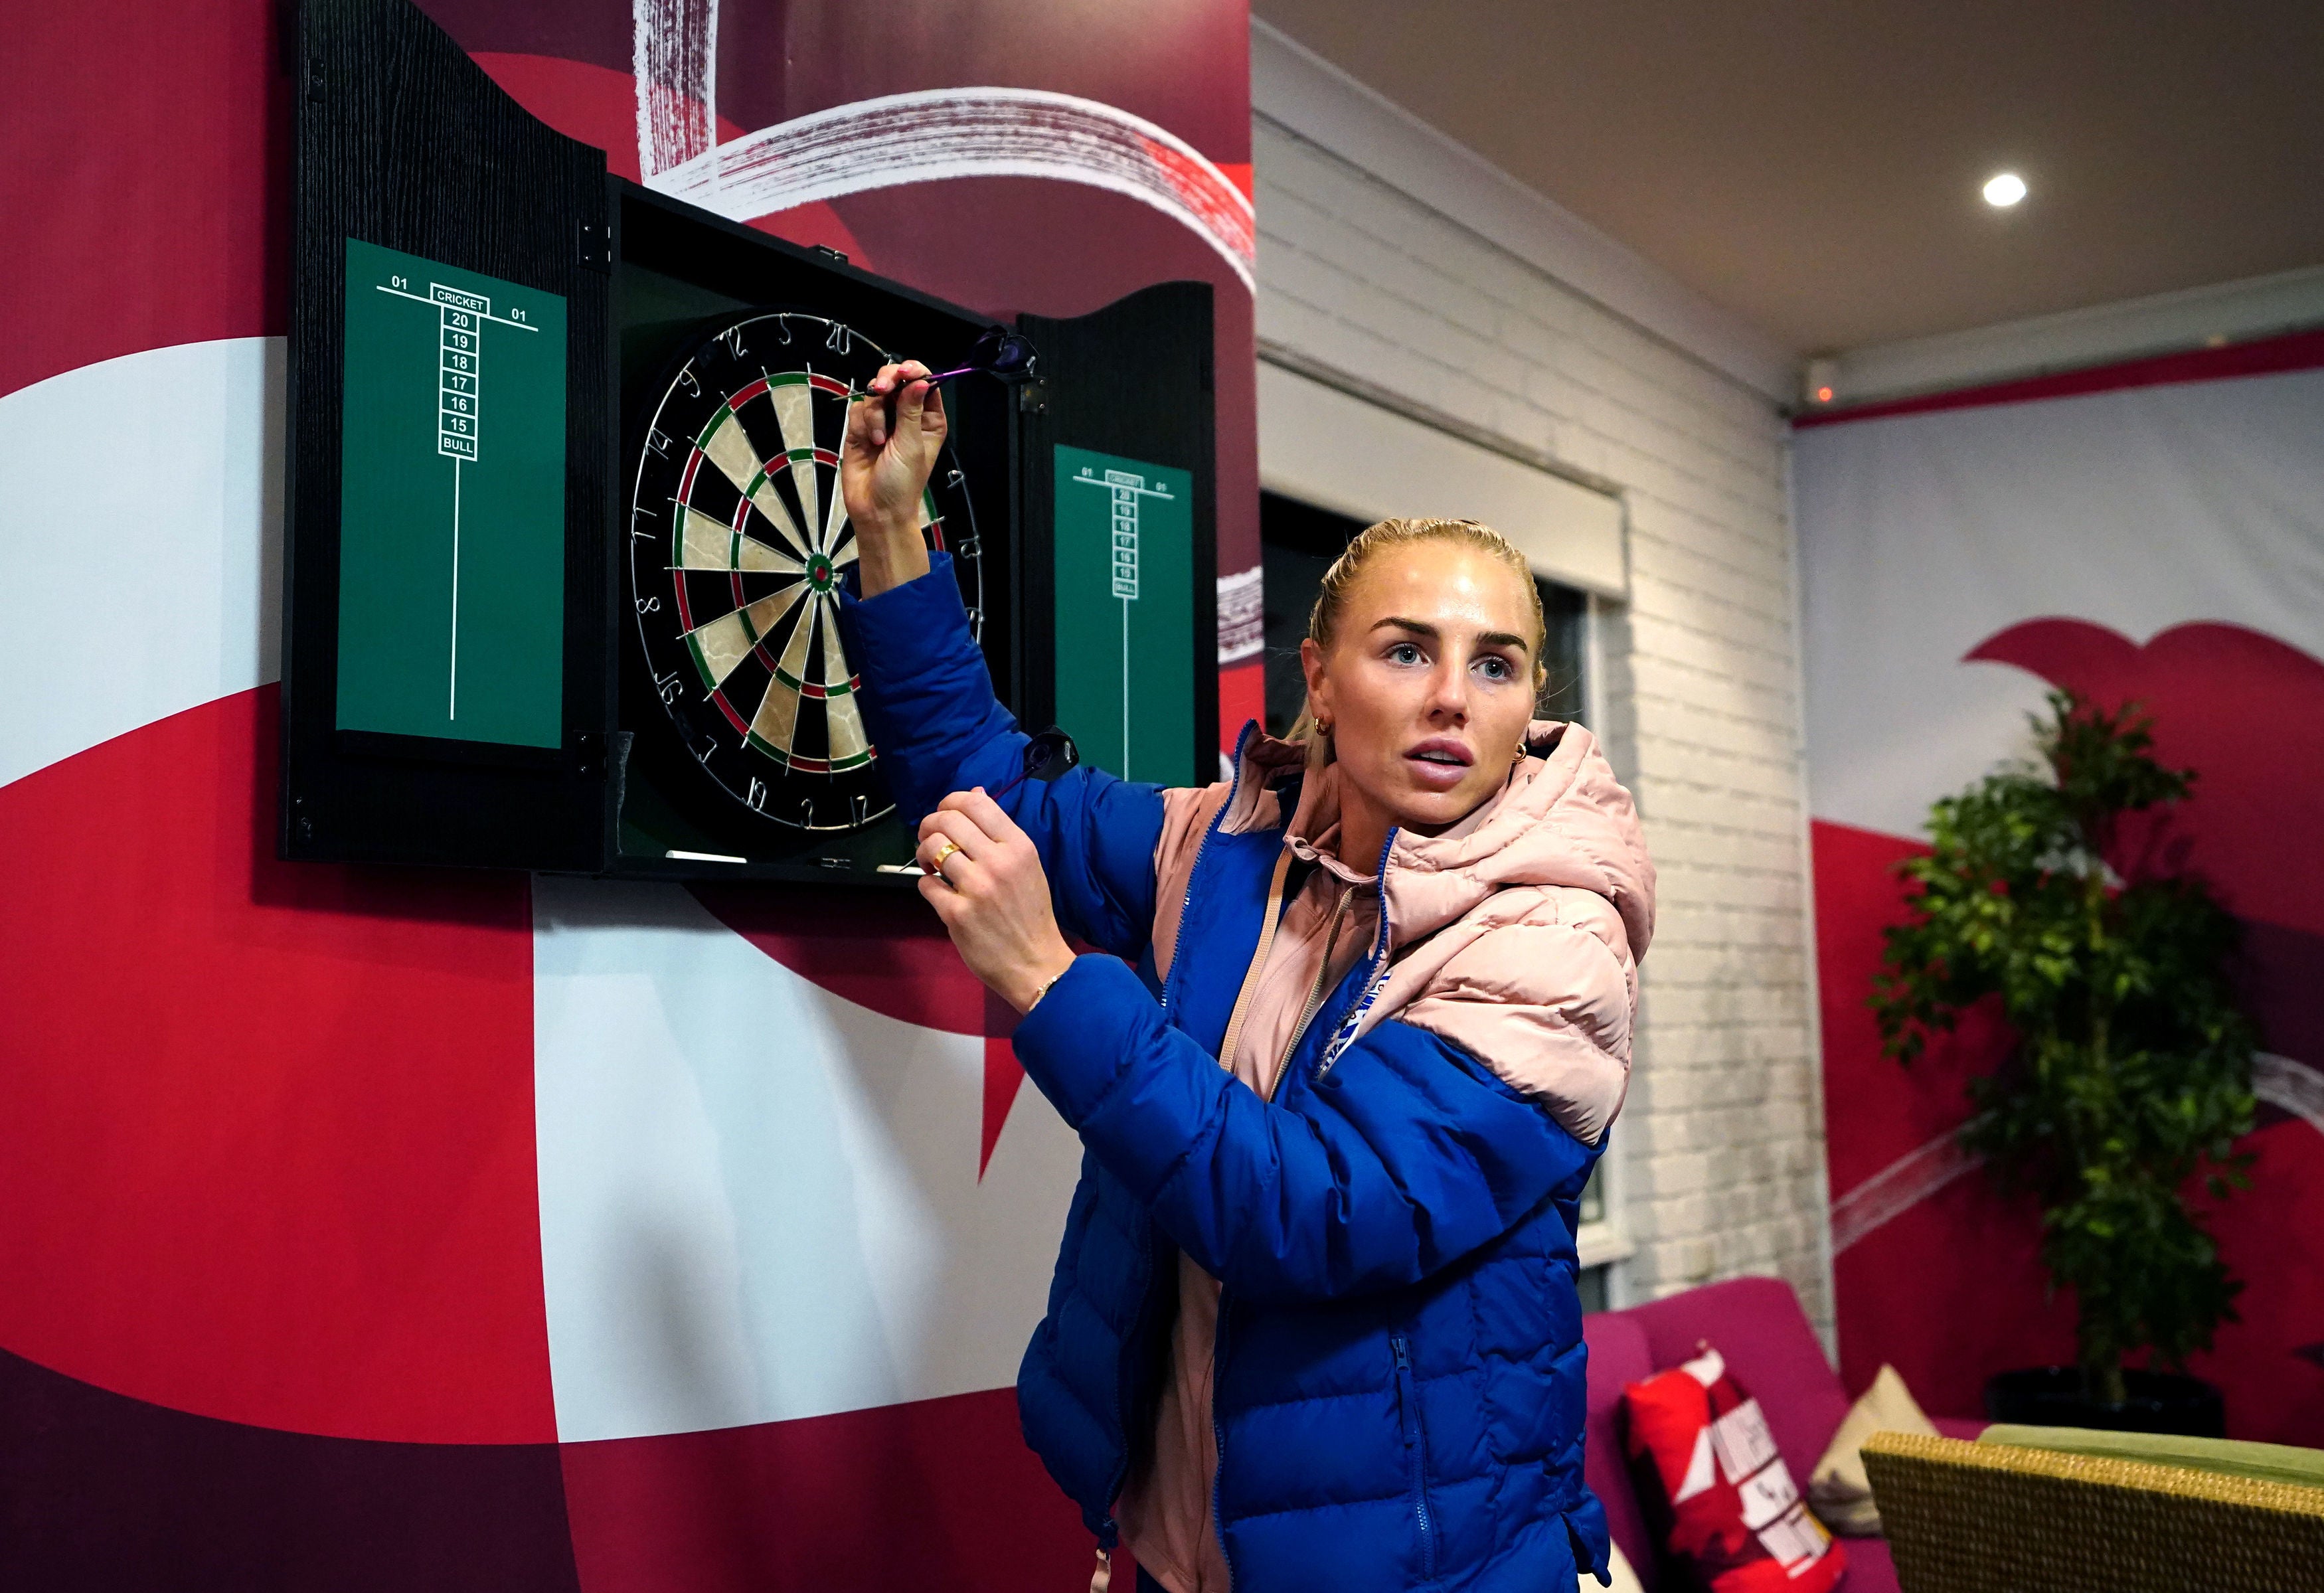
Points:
[929,709]
[1414,1155]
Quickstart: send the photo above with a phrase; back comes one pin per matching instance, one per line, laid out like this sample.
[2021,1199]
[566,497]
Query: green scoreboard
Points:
[1125,615]
[451,504]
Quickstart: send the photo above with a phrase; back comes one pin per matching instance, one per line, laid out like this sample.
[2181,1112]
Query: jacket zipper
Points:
[1120,1410]
[1315,994]
[1219,1442]
[1372,980]
[1416,1443]
[1193,872]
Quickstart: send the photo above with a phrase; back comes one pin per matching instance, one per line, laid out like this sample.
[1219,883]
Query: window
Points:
[1298,542]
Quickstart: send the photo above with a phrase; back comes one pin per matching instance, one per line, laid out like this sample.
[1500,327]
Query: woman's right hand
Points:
[884,466]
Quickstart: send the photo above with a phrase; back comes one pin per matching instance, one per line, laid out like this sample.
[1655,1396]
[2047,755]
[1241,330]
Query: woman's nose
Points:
[1448,693]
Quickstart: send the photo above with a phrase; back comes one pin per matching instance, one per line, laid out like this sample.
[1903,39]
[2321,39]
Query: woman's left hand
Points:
[992,896]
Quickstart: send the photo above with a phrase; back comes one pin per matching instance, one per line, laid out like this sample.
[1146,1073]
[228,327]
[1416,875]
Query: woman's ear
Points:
[1311,665]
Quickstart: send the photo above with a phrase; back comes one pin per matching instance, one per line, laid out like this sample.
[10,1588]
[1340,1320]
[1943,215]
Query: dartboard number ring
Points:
[738,542]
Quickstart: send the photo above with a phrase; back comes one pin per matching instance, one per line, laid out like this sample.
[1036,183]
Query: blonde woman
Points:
[1358,1021]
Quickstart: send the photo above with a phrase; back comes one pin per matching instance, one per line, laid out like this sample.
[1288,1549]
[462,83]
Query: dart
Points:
[1048,756]
[1009,355]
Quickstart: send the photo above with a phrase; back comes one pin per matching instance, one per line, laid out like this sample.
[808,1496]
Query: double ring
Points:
[945,849]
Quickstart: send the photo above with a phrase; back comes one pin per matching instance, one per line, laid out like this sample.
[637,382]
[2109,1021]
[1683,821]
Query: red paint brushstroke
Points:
[1242,698]
[147,181]
[1003,1074]
[938,1492]
[266,1128]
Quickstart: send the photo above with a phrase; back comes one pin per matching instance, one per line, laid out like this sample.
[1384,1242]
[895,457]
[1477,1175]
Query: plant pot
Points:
[2056,1396]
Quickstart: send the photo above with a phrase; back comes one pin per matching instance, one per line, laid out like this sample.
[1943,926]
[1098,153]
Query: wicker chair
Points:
[1989,1518]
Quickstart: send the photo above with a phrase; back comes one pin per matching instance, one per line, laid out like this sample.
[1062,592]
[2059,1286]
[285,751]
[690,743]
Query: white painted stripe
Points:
[141,514]
[2290,1086]
[2279,1081]
[674,55]
[934,134]
[760,1201]
[1897,1188]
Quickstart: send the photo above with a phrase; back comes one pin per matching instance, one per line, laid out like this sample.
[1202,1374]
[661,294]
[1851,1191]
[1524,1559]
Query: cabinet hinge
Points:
[597,245]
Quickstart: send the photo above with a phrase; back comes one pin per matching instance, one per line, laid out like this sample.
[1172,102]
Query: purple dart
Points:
[1009,355]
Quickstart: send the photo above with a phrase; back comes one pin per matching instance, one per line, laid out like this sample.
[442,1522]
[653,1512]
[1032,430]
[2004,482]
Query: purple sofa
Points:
[1757,1325]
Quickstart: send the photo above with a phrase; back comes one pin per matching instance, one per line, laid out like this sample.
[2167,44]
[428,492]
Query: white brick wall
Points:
[1722,1140]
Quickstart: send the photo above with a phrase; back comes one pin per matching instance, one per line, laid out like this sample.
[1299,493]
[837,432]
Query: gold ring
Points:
[937,863]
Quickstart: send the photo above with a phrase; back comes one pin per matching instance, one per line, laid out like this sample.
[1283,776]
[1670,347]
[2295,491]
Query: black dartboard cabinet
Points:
[564,548]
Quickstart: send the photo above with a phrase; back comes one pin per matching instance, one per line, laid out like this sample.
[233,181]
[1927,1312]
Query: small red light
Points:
[1823,395]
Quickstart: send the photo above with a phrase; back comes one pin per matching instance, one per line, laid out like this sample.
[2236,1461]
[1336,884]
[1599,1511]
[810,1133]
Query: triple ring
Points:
[944,849]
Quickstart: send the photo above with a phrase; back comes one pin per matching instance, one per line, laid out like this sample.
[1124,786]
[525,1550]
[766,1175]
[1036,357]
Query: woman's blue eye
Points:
[1404,652]
[1495,668]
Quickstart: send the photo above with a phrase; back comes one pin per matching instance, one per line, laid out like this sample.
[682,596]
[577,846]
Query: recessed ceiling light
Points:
[2004,190]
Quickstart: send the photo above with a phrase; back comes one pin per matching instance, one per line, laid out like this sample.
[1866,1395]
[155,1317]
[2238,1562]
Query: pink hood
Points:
[1515,934]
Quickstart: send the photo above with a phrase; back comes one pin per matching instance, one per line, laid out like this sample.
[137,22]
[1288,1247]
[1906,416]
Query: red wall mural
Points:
[366,1229]
[2139,534]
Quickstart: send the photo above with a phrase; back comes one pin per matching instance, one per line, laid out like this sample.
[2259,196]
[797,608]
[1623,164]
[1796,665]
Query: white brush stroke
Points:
[674,57]
[758,1200]
[2280,1082]
[1897,1188]
[2290,1086]
[140,539]
[932,134]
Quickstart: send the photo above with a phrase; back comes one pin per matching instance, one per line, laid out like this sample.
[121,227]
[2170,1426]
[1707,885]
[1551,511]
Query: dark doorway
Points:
[1298,542]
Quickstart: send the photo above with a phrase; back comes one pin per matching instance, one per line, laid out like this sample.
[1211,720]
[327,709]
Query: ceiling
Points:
[1815,166]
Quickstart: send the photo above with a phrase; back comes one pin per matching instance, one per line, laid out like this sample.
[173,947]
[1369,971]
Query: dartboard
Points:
[738,542]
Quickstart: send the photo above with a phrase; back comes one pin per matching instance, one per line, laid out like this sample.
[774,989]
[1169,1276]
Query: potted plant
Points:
[2049,890]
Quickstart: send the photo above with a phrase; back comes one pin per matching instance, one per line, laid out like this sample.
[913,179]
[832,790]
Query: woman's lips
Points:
[1439,763]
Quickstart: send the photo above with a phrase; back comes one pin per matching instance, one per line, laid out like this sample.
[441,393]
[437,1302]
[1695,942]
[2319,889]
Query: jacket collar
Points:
[1561,820]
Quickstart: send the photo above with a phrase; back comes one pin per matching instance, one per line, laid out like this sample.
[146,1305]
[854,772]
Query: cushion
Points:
[1708,1465]
[1838,1491]
[1765,1339]
[1617,1357]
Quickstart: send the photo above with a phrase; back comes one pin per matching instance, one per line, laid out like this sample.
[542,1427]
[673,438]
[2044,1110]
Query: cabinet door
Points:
[1118,443]
[446,678]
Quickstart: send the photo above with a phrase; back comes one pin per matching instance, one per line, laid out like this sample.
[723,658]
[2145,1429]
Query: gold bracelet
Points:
[1044,990]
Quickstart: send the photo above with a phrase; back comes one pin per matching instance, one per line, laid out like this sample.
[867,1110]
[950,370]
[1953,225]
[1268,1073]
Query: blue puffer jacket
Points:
[1399,1366]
